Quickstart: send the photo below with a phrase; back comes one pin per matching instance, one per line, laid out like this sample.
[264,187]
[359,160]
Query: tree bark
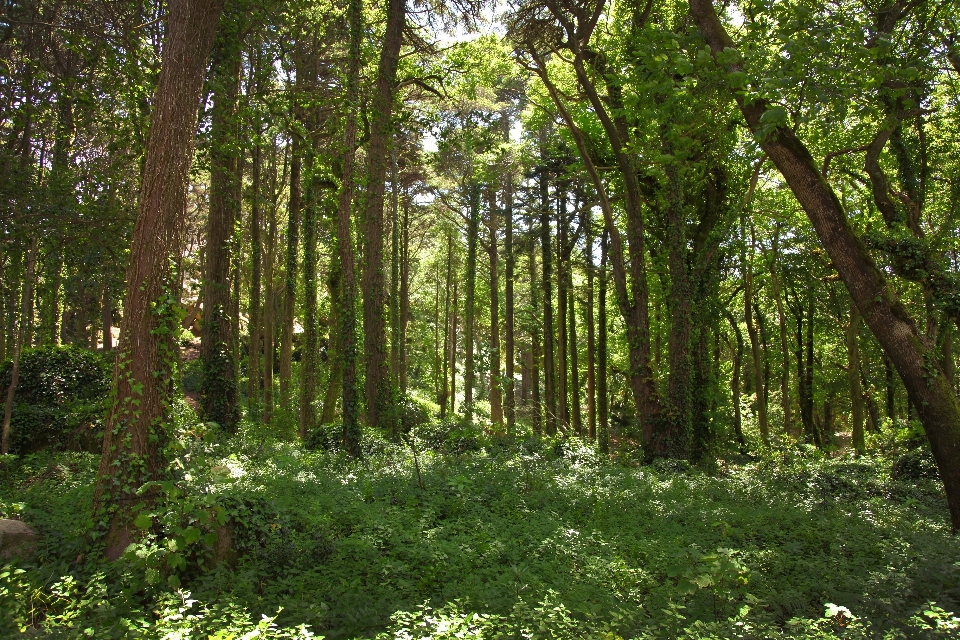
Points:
[136,432]
[254,326]
[290,273]
[546,286]
[346,313]
[591,332]
[26,306]
[603,431]
[496,381]
[447,333]
[308,361]
[784,339]
[510,404]
[853,378]
[470,311]
[377,382]
[755,349]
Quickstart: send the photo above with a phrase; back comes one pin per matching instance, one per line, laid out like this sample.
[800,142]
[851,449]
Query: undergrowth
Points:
[452,534]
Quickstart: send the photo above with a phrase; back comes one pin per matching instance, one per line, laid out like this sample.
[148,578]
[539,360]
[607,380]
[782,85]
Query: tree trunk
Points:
[755,350]
[106,318]
[254,325]
[269,330]
[735,382]
[290,273]
[591,333]
[546,285]
[346,313]
[510,404]
[853,377]
[563,408]
[887,318]
[470,312]
[26,306]
[576,418]
[603,431]
[453,351]
[496,395]
[404,291]
[447,332]
[136,433]
[536,406]
[394,267]
[784,339]
[377,383]
[308,361]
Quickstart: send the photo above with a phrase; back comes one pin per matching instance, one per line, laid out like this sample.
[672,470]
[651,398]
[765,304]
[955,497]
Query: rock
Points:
[17,539]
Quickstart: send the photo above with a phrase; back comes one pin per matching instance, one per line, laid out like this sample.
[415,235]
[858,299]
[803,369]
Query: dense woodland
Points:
[426,319]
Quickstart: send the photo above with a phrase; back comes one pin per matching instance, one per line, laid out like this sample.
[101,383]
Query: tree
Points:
[136,432]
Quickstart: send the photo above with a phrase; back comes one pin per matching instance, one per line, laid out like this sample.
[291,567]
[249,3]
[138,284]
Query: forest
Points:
[439,319]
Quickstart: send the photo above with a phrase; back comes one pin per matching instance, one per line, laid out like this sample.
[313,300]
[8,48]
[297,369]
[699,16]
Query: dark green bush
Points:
[915,464]
[61,399]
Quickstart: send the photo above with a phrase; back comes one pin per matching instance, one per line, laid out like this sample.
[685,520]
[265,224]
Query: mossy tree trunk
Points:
[137,426]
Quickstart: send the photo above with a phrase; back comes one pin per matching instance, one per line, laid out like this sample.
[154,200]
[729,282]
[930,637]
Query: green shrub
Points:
[61,399]
[915,464]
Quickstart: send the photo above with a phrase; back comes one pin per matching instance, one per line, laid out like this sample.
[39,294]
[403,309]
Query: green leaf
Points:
[143,521]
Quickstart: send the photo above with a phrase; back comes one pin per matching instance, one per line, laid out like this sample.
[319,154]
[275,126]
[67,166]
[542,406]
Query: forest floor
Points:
[488,538]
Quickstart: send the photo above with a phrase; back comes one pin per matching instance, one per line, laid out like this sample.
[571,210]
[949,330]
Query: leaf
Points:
[143,521]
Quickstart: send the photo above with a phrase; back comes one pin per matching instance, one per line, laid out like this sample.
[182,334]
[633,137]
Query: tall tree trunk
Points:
[603,430]
[671,432]
[735,383]
[290,272]
[886,316]
[784,339]
[308,361]
[26,306]
[536,408]
[404,290]
[377,383]
[755,350]
[546,285]
[254,325]
[510,262]
[453,351]
[106,318]
[447,332]
[269,329]
[136,433]
[470,312]
[591,333]
[496,381]
[576,419]
[563,409]
[395,260]
[853,377]
[346,312]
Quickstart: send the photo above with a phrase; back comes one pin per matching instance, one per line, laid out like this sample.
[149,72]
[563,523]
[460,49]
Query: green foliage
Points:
[60,400]
[538,538]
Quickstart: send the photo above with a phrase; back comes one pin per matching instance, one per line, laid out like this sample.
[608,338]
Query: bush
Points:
[61,399]
[915,464]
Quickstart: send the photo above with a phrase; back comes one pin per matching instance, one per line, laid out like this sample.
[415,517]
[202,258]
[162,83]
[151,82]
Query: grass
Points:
[537,539]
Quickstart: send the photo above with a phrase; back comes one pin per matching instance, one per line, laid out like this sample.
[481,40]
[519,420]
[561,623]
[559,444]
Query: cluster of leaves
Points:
[60,400]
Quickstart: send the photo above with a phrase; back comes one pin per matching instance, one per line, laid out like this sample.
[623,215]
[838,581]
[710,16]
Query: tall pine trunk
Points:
[546,286]
[346,311]
[496,395]
[290,272]
[137,433]
[377,381]
[219,395]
